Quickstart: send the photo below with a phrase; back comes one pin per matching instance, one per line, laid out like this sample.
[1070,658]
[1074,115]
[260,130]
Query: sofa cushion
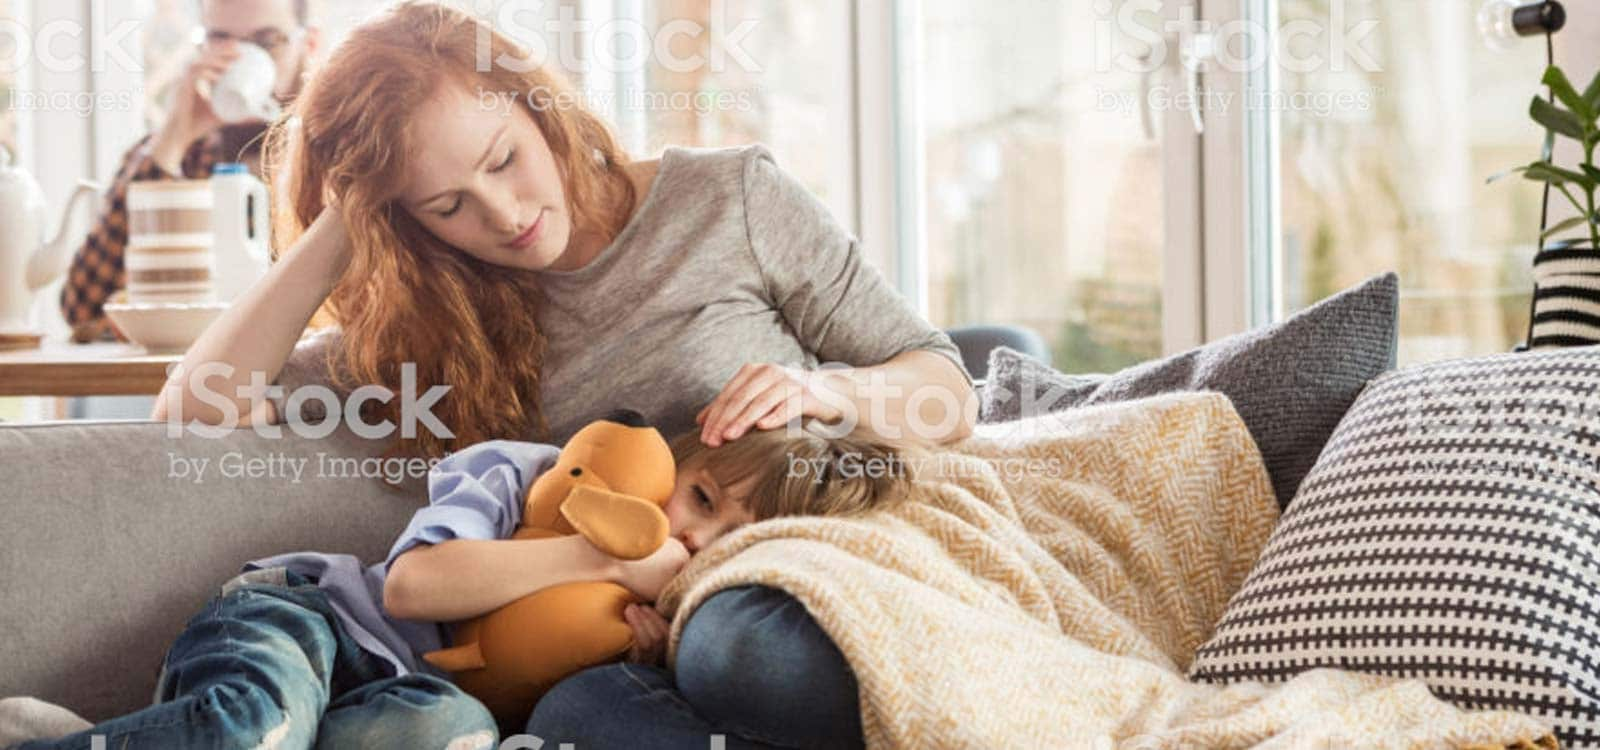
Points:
[115,534]
[1450,533]
[1290,382]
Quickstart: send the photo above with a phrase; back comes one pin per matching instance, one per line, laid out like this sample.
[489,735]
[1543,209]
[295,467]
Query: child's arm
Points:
[465,578]
[454,561]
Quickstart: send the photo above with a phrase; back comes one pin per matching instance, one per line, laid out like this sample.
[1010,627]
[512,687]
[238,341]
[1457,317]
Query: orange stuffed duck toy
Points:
[610,484]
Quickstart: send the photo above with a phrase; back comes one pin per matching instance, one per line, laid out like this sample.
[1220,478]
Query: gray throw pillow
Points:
[1291,382]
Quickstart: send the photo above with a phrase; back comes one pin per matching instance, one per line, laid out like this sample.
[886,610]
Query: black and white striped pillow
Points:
[1450,532]
[1566,297]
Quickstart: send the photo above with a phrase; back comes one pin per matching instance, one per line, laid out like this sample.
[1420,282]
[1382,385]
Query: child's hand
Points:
[648,576]
[650,631]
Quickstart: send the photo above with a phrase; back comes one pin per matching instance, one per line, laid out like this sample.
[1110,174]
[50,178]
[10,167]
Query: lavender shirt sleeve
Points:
[476,493]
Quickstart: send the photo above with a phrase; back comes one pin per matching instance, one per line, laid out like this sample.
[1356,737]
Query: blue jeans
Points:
[752,666]
[270,665]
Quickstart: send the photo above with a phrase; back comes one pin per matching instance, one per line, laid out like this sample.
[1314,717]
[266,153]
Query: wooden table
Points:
[100,369]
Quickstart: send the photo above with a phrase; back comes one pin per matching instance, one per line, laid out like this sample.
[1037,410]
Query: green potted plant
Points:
[1567,268]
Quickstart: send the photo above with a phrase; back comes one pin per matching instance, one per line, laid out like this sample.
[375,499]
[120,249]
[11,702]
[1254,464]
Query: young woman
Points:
[459,213]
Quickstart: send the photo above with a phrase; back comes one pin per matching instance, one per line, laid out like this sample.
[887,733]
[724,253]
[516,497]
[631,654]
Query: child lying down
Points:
[311,649]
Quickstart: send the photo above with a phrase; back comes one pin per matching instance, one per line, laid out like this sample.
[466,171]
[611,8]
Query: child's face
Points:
[700,510]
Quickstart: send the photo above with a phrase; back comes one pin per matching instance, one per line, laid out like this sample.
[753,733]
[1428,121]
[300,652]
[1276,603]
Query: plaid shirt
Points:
[97,270]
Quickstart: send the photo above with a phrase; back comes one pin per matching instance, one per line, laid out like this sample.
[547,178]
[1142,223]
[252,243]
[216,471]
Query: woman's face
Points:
[482,179]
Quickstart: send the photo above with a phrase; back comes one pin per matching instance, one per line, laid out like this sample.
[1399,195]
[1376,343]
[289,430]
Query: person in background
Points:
[190,141]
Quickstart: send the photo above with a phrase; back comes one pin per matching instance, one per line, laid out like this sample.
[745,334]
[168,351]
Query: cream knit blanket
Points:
[1052,587]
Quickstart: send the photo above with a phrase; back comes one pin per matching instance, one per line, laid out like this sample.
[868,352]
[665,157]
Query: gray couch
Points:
[106,550]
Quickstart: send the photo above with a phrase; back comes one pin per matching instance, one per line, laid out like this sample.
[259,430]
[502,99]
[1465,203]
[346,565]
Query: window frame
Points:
[1239,180]
[888,167]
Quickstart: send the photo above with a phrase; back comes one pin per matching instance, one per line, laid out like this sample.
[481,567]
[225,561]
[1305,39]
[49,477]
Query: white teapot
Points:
[27,261]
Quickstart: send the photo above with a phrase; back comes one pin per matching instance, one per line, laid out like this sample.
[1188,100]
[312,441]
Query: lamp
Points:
[1501,23]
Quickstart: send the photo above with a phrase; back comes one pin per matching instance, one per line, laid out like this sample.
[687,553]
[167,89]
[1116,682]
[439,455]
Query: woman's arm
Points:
[900,381]
[925,398]
[465,578]
[257,333]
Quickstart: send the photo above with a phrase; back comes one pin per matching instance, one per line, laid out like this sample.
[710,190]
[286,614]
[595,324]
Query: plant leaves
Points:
[1556,118]
[1556,79]
[1592,171]
[1546,172]
[1592,94]
[1563,226]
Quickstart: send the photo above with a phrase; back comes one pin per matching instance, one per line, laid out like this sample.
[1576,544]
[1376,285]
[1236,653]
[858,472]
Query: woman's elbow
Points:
[209,408]
[933,426]
[965,402]
[963,427]
[174,402]
[968,422]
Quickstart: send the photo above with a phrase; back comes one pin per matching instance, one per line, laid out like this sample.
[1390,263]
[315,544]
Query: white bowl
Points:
[164,327]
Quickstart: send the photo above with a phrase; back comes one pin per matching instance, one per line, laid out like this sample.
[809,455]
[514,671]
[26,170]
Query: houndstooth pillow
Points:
[1450,532]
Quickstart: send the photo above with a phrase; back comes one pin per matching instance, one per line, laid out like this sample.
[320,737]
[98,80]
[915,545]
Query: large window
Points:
[1043,182]
[733,73]
[1384,166]
[1035,163]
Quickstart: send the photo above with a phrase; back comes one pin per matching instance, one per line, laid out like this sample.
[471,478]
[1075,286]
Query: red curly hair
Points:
[408,296]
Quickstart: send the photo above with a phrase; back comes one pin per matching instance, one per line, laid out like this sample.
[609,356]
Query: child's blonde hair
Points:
[805,474]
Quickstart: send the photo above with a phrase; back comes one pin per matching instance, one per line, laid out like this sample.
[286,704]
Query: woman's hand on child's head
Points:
[646,577]
[766,396]
[650,631]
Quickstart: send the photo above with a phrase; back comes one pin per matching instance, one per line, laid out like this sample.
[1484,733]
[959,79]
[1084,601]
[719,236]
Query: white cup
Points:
[244,92]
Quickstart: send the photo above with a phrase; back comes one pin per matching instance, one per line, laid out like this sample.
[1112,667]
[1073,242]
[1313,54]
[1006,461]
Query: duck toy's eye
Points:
[577,472]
